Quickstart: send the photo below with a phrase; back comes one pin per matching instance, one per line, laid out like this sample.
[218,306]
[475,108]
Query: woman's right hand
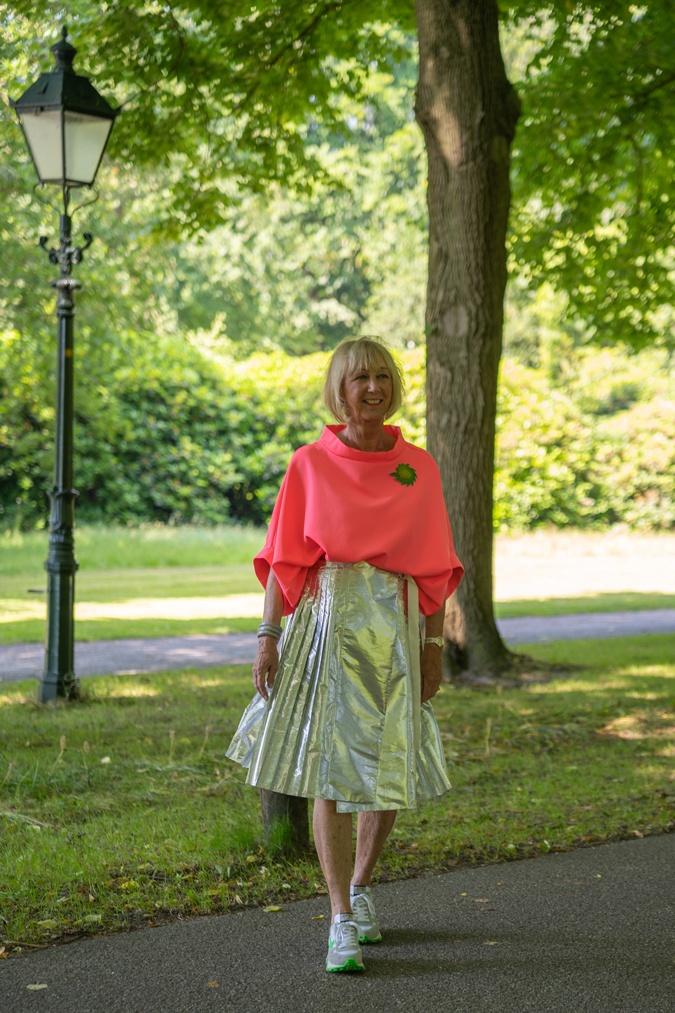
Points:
[265,665]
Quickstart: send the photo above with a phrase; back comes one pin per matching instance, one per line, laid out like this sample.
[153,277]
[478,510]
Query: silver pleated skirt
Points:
[344,719]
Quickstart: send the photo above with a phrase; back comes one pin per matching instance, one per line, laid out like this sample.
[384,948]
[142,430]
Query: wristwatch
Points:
[434,640]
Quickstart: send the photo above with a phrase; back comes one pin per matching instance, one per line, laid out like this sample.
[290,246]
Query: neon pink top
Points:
[347,505]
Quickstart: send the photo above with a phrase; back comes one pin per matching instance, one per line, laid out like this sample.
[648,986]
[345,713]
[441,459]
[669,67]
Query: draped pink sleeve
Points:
[345,505]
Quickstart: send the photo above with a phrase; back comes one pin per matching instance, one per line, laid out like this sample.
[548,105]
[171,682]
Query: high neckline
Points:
[331,441]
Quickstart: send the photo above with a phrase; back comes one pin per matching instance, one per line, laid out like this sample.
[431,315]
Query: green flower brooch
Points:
[404,474]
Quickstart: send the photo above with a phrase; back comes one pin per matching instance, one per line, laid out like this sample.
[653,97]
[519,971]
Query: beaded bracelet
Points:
[269,630]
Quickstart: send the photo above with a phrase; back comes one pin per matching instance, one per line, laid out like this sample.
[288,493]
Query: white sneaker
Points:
[364,914]
[344,952]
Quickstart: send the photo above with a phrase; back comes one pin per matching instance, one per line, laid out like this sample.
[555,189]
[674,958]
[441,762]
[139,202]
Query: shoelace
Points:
[361,906]
[346,934]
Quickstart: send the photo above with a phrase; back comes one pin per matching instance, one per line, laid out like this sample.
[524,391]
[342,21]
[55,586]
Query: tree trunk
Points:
[468,112]
[285,821]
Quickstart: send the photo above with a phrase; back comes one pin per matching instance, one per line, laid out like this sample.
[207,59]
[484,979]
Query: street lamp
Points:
[66,124]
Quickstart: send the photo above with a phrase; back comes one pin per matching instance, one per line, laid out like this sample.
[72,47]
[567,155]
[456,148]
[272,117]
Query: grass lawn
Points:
[122,810]
[159,581]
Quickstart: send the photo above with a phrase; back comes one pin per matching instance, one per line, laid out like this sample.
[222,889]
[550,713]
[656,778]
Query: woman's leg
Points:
[333,841]
[372,831]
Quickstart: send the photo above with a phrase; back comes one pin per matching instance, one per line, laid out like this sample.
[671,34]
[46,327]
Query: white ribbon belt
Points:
[415,671]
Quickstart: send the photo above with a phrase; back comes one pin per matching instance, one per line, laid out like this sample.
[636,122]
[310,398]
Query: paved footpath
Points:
[25,661]
[590,931]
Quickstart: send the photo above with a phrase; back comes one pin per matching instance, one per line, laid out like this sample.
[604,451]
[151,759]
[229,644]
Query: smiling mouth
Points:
[373,401]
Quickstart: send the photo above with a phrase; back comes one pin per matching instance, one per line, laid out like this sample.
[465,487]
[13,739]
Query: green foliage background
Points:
[177,435]
[264,197]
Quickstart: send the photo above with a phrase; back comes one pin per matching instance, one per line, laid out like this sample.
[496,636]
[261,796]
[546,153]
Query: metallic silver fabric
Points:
[344,720]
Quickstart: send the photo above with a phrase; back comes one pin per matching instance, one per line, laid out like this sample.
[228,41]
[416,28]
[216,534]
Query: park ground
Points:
[121,811]
[159,581]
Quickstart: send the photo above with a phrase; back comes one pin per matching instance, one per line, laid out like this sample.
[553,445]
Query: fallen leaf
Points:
[48,923]
[251,858]
[213,984]
[105,759]
[92,918]
[490,942]
[637,833]
[35,988]
[272,907]
[237,899]
[481,900]
[317,918]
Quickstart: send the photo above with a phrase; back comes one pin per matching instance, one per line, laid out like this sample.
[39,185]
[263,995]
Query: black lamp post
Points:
[66,124]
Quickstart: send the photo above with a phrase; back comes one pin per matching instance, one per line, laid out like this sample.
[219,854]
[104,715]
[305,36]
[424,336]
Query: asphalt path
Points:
[104,657]
[590,931]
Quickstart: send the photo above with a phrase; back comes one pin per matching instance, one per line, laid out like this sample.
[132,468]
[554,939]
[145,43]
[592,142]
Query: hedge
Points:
[171,435]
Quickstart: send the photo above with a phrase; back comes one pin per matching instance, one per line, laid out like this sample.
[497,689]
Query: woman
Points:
[358,545]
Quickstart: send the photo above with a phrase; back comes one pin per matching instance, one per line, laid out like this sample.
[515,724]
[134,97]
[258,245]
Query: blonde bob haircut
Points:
[349,357]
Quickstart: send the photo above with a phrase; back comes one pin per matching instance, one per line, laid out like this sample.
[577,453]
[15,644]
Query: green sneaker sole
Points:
[368,941]
[349,965]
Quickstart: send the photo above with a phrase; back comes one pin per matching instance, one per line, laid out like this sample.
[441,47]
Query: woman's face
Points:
[367,393]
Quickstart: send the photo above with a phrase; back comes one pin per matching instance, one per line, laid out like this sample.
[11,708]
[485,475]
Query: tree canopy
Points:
[593,165]
[225,99]
[250,165]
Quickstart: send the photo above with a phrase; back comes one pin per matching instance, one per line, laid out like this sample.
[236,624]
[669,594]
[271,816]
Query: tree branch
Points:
[276,58]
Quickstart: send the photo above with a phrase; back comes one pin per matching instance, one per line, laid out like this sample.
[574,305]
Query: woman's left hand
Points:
[432,671]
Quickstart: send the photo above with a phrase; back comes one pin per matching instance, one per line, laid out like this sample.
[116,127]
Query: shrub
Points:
[170,435]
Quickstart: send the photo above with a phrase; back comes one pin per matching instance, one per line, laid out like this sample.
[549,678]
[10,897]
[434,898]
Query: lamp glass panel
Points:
[43,134]
[86,138]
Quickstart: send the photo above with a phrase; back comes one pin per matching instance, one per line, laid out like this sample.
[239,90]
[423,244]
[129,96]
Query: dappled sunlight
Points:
[213,677]
[648,770]
[12,699]
[217,683]
[133,690]
[641,725]
[559,686]
[16,609]
[623,681]
[649,672]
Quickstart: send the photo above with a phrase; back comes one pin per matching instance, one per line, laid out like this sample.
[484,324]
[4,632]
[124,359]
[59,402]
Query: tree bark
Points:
[467,111]
[285,819]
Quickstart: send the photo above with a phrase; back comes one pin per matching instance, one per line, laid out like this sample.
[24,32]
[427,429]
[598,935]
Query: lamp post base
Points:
[58,680]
